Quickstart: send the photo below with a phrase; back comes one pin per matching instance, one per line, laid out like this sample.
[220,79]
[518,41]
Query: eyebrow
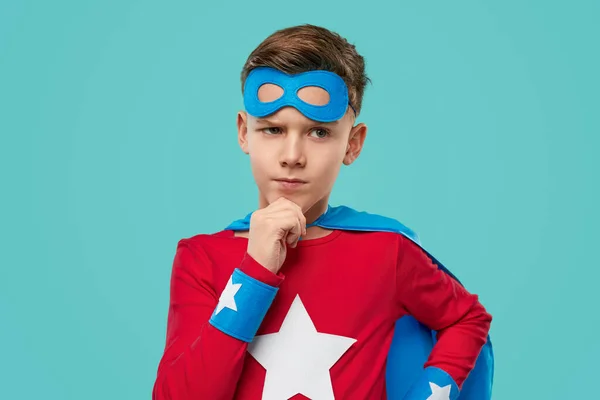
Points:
[312,122]
[266,121]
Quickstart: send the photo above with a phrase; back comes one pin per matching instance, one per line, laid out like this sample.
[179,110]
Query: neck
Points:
[311,215]
[317,210]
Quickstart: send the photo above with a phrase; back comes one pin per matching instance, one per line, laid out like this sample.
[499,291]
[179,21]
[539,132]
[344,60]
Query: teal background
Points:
[117,122]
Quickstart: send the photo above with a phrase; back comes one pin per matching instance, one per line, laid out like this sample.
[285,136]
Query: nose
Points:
[292,152]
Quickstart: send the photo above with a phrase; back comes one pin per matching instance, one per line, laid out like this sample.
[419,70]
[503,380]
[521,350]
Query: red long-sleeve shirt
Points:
[351,284]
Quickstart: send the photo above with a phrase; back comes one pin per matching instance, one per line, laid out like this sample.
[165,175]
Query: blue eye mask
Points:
[332,83]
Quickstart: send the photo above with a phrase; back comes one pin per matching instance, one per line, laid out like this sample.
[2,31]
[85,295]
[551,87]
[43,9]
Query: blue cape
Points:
[412,341]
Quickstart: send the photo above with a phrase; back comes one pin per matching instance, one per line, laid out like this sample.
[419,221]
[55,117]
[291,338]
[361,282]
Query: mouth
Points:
[290,180]
[290,183]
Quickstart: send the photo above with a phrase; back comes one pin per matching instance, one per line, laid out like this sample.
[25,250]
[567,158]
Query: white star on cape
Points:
[439,393]
[298,358]
[227,299]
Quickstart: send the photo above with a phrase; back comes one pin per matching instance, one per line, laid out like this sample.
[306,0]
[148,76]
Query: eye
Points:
[320,133]
[271,130]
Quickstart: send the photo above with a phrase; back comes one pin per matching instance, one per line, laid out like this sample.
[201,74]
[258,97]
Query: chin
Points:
[302,201]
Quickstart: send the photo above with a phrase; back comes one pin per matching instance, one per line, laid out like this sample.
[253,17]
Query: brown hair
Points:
[308,47]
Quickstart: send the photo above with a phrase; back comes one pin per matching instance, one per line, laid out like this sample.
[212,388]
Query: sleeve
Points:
[201,361]
[442,304]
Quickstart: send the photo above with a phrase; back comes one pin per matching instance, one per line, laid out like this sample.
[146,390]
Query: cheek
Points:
[329,166]
[257,164]
[331,174]
[261,164]
[256,153]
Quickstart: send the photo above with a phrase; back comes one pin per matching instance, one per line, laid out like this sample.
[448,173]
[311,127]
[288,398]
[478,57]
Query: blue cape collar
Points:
[345,218]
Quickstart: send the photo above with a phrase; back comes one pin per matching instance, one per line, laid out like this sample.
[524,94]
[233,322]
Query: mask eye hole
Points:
[314,95]
[269,92]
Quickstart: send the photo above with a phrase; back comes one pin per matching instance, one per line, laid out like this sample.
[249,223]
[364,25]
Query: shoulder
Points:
[399,242]
[208,256]
[207,241]
[369,222]
[378,246]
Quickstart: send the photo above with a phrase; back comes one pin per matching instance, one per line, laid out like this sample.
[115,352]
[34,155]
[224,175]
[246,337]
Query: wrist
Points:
[262,260]
[433,383]
[251,267]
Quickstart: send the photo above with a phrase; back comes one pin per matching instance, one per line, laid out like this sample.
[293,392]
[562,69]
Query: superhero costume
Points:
[316,338]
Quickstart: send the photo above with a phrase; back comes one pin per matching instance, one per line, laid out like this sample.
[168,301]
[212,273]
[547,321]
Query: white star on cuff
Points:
[227,299]
[439,393]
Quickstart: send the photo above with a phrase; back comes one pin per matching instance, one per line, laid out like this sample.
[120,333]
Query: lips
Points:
[290,180]
[290,184]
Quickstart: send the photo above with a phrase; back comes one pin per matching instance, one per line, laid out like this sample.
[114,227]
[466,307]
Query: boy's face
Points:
[298,158]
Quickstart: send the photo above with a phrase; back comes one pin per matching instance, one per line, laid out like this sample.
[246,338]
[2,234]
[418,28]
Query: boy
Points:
[299,299]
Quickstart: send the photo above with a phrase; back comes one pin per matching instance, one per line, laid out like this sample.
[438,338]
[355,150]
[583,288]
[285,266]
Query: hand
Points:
[272,228]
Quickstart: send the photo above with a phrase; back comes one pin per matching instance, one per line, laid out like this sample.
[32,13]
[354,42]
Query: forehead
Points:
[291,116]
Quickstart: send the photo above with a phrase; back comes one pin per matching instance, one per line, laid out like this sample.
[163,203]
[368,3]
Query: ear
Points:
[242,127]
[356,139]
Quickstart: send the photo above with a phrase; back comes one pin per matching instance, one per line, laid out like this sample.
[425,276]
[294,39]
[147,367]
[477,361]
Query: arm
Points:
[442,304]
[201,361]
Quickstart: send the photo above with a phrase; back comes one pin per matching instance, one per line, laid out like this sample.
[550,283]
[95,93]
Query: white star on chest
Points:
[439,393]
[298,358]
[227,299]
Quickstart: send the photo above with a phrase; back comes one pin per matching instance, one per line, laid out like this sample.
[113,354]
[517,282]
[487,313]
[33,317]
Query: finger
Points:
[298,238]
[298,210]
[285,203]
[280,203]
[277,205]
[302,219]
[295,230]
[284,221]
[286,217]
[289,219]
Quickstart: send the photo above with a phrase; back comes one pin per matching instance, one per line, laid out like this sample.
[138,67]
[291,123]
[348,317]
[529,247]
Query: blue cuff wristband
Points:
[242,306]
[433,384]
